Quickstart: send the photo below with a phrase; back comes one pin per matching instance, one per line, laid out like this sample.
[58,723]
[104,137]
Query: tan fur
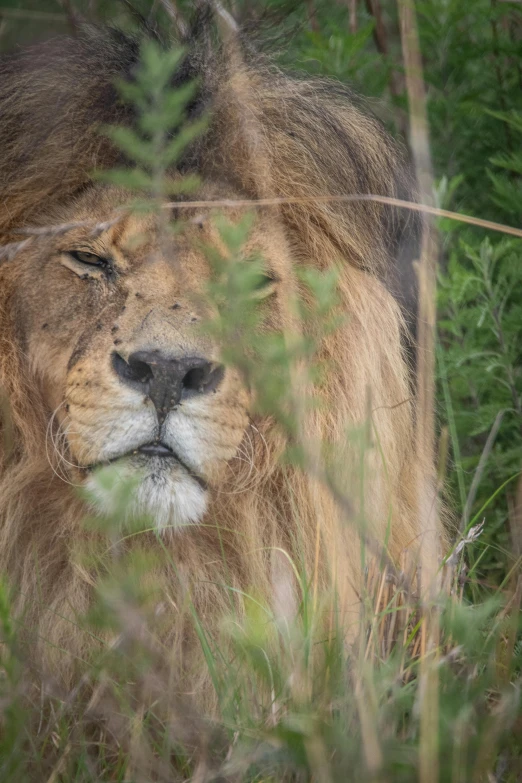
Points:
[309,140]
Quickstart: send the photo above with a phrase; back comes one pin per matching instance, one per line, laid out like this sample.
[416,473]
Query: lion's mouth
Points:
[156,449]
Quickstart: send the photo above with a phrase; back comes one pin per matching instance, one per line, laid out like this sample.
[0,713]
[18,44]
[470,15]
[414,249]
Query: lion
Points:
[103,361]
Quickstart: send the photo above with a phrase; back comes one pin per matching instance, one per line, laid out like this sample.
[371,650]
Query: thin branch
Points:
[379,31]
[226,24]
[427,266]
[380,38]
[21,13]
[312,16]
[352,5]
[9,251]
[498,73]
[62,228]
[395,202]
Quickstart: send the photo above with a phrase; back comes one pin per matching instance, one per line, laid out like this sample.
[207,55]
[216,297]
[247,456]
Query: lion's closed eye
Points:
[85,264]
[265,286]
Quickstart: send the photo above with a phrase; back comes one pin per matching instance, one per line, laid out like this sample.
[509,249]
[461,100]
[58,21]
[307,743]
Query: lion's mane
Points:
[270,134]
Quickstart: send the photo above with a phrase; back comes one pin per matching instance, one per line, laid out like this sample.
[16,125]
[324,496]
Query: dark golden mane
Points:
[270,135]
[55,97]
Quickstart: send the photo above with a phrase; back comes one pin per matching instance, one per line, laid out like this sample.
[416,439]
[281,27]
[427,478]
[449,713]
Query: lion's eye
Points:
[264,286]
[264,281]
[87,258]
[86,264]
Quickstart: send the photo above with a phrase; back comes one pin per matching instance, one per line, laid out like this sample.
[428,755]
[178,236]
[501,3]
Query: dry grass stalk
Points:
[8,251]
[352,7]
[30,15]
[425,444]
[427,209]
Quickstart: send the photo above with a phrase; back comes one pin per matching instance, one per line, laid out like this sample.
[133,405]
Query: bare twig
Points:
[369,724]
[63,228]
[7,252]
[312,15]
[498,73]
[515,521]
[380,38]
[11,249]
[379,31]
[352,6]
[427,209]
[22,13]
[226,24]
[427,267]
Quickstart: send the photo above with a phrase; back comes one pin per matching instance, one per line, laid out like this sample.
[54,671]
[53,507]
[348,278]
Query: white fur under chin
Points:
[169,497]
[171,501]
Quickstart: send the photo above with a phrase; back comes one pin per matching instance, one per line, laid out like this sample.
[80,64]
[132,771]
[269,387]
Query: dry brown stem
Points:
[10,250]
[380,37]
[425,435]
[352,6]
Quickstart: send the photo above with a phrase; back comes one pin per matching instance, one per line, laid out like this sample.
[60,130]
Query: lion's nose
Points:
[167,381]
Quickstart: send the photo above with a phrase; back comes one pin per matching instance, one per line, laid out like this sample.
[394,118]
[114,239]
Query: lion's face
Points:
[111,327]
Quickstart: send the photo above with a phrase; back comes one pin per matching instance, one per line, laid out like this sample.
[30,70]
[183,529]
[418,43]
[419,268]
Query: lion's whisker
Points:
[58,448]
[50,437]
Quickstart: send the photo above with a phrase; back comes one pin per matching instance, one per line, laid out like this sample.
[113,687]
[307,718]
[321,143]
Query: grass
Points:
[294,703]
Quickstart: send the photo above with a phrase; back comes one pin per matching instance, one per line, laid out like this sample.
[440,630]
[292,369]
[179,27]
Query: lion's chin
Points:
[153,489]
